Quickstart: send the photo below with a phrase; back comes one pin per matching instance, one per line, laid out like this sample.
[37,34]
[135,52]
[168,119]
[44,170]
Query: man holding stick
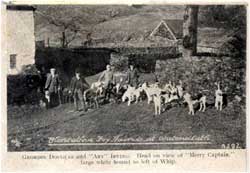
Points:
[52,88]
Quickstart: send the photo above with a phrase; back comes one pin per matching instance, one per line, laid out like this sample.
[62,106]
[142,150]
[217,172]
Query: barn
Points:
[171,30]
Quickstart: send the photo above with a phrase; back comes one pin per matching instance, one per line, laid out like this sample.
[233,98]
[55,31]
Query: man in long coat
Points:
[52,87]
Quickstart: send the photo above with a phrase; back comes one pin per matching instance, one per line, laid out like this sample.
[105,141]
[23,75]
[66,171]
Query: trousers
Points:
[78,97]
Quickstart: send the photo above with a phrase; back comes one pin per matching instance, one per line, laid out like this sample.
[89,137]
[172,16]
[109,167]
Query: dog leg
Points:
[216,105]
[220,106]
[200,106]
[136,99]
[204,107]
[129,100]
[191,110]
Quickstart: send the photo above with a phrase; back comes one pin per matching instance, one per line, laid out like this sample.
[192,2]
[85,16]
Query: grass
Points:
[127,123]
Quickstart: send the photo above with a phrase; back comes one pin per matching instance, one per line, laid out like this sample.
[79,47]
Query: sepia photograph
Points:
[125,77]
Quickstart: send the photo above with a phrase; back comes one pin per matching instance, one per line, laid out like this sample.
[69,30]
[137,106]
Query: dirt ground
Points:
[113,122]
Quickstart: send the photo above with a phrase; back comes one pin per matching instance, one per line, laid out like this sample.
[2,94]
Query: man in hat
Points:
[77,87]
[52,87]
[132,76]
[107,77]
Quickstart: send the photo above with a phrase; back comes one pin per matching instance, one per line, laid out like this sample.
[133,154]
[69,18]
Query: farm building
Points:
[169,29]
[157,33]
[20,37]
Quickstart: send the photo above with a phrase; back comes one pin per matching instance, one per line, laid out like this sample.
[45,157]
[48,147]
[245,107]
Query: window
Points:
[13,61]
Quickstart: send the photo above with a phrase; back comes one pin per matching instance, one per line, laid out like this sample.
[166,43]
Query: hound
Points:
[128,95]
[173,97]
[42,104]
[131,93]
[202,102]
[168,87]
[157,103]
[150,91]
[166,98]
[180,89]
[154,85]
[119,85]
[93,93]
[117,88]
[136,94]
[47,96]
[218,97]
[66,95]
[98,87]
[91,96]
[190,102]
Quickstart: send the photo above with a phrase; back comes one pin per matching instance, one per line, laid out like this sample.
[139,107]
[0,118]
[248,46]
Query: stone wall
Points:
[143,58]
[89,61]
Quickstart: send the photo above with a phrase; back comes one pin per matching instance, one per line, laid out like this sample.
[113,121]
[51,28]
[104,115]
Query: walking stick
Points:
[59,96]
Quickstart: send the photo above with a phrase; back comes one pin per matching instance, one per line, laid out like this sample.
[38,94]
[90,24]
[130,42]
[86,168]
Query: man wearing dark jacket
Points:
[52,87]
[132,76]
[77,87]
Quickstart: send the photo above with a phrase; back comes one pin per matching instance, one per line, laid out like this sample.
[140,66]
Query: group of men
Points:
[78,85]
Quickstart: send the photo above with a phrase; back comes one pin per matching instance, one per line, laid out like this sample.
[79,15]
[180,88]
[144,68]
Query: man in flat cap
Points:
[132,76]
[77,87]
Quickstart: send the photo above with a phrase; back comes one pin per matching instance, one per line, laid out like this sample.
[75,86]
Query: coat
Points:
[132,77]
[52,83]
[78,84]
[107,77]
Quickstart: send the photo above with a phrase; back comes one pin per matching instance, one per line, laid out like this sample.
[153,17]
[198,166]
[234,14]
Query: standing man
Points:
[107,77]
[132,76]
[52,88]
[77,87]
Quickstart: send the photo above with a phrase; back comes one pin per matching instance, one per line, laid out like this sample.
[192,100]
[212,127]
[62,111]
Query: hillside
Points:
[106,23]
[118,25]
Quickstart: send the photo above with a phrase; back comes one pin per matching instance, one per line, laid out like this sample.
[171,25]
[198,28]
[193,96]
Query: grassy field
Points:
[118,123]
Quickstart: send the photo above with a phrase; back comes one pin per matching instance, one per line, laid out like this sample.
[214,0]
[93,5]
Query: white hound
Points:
[218,97]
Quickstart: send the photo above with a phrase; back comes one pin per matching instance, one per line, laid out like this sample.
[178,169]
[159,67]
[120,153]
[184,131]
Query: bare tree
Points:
[76,22]
[190,31]
[68,28]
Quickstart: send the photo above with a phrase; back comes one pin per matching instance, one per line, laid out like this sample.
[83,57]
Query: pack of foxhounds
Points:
[160,96]
[170,93]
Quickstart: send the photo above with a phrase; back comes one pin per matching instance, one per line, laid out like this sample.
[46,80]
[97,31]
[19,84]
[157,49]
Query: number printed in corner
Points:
[231,146]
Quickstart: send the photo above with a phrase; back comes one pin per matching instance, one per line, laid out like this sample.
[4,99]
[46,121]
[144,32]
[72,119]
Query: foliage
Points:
[226,16]
[233,19]
[29,70]
[22,89]
[235,46]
